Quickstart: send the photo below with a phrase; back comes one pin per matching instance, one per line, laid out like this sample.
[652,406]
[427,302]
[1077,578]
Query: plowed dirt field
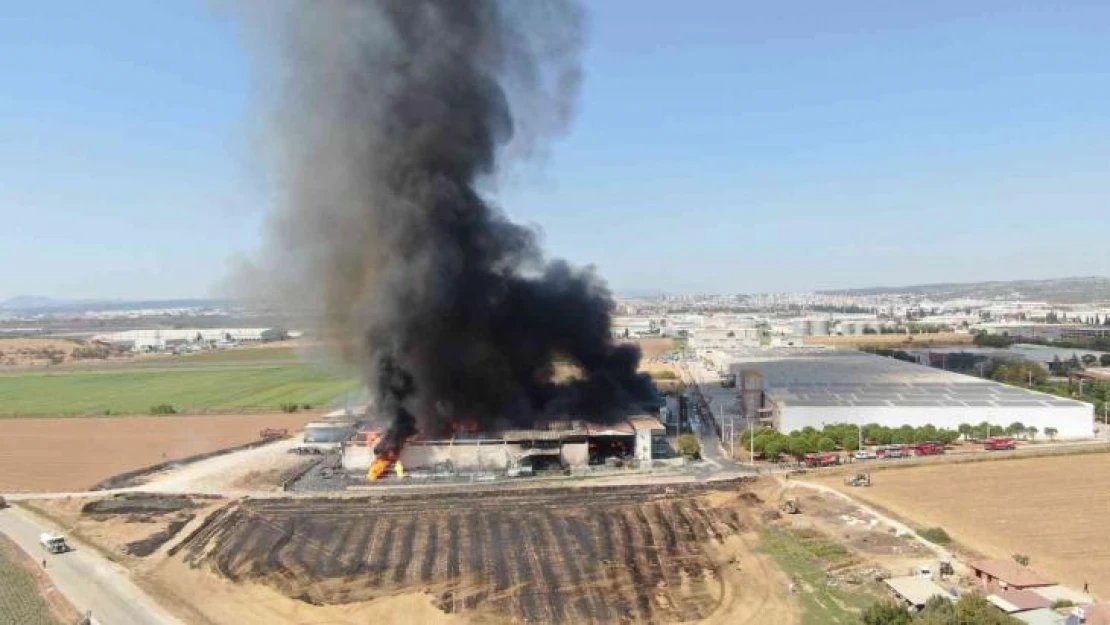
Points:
[597,555]
[70,454]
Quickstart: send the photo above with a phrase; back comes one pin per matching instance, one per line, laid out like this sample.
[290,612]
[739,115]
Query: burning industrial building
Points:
[391,120]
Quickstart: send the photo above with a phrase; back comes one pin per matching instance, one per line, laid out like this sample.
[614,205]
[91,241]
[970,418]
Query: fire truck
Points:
[826,459]
[997,443]
[893,451]
[929,448]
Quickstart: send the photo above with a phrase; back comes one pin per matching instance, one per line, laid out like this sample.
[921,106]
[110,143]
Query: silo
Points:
[819,327]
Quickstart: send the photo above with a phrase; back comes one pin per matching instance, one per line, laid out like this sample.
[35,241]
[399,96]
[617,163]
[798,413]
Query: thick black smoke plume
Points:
[389,113]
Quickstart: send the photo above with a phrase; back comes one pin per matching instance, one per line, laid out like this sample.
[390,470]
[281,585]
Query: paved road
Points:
[88,580]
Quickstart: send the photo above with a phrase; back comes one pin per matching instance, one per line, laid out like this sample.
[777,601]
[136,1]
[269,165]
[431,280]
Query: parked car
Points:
[864,454]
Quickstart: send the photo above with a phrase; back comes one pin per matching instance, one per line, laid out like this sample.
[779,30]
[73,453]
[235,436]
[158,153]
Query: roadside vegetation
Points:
[20,599]
[806,556]
[166,391]
[771,444]
[972,609]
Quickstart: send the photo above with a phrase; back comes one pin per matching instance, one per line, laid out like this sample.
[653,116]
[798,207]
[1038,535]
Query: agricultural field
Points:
[24,591]
[76,453]
[1051,509]
[596,555]
[193,389]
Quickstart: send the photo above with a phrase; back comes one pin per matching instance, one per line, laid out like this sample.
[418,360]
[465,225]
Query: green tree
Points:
[1051,433]
[826,443]
[885,613]
[772,450]
[1104,360]
[965,429]
[1015,428]
[689,446]
[974,609]
[938,610]
[1032,432]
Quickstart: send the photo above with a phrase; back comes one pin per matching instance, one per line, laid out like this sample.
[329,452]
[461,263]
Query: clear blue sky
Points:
[720,146]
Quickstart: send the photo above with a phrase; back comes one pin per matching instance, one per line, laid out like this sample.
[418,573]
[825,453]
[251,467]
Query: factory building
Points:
[814,387]
[162,339]
[572,444]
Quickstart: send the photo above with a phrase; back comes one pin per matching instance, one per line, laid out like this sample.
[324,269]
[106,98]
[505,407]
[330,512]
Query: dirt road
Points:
[89,581]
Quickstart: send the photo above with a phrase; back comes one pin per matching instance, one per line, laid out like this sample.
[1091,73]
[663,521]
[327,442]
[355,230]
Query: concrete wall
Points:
[464,456]
[576,454]
[1076,421]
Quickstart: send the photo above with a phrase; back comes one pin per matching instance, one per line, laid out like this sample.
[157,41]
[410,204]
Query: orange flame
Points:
[380,465]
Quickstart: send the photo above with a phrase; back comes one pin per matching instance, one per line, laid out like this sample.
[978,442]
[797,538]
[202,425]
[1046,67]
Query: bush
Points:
[306,406]
[885,613]
[163,409]
[1062,603]
[936,535]
[689,446]
[290,407]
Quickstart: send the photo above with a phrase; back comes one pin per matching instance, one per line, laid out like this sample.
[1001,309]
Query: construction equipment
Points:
[859,479]
[789,505]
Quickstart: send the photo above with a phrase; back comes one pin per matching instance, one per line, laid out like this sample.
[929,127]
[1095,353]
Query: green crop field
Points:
[20,601]
[187,389]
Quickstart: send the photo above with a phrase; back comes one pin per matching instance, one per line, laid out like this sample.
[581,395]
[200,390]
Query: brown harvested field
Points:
[70,454]
[1052,509]
[893,340]
[651,348]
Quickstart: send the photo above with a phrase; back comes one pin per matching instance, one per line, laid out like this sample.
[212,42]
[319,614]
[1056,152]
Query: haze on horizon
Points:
[718,147]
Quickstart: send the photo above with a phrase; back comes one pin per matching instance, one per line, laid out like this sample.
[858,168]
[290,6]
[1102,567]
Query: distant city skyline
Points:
[719,147]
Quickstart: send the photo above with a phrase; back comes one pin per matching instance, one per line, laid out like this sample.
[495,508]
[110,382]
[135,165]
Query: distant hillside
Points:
[1060,290]
[33,304]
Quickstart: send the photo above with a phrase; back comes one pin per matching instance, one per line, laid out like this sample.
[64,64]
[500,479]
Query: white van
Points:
[53,543]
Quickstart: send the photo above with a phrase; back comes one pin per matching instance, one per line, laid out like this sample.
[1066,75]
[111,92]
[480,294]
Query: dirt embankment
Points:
[71,454]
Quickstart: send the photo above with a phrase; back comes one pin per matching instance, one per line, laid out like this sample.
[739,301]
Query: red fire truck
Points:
[893,451]
[826,459]
[997,443]
[929,448]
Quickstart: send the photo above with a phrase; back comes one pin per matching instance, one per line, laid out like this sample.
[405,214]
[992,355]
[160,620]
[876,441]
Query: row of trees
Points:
[771,444]
[1016,429]
[970,609]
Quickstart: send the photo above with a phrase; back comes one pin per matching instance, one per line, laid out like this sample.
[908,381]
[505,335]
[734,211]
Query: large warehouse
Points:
[811,387]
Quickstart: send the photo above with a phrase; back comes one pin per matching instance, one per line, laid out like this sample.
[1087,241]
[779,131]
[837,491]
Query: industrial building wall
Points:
[464,457]
[1076,421]
[576,454]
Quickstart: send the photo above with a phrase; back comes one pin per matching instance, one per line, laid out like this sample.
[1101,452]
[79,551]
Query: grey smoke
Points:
[388,117]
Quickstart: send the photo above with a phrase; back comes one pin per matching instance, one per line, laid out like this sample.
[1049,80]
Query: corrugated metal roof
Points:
[1012,573]
[1010,601]
[914,589]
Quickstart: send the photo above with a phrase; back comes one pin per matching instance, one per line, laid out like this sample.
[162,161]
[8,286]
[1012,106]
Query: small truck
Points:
[53,543]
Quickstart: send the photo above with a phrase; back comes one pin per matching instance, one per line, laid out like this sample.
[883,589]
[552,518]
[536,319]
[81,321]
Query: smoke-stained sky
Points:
[819,125]
[386,117]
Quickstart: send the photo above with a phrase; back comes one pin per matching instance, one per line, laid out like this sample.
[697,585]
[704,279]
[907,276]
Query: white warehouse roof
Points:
[811,387]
